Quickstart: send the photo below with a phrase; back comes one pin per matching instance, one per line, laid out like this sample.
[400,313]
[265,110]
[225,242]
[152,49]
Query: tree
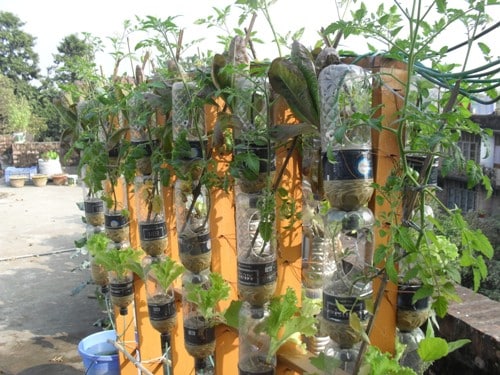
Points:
[73,53]
[18,60]
[7,97]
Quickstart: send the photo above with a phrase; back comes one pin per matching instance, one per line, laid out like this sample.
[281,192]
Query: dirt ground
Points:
[42,318]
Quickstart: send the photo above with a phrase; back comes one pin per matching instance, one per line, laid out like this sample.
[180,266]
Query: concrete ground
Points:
[42,319]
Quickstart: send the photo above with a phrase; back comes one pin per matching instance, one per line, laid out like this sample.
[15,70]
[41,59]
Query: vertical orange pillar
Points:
[224,254]
[386,149]
[289,230]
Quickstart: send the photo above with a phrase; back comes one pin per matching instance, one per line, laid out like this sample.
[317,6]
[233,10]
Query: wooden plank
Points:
[385,150]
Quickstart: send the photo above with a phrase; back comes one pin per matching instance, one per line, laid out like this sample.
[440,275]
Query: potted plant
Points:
[160,274]
[98,243]
[151,215]
[263,330]
[201,294]
[121,264]
[49,163]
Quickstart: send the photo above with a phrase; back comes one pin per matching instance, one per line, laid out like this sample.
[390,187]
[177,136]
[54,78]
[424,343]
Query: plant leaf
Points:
[432,348]
[288,81]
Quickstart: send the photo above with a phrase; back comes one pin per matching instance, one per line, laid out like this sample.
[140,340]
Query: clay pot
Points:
[17,181]
[39,179]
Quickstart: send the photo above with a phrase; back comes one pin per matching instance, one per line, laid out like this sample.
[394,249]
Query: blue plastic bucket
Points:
[99,356]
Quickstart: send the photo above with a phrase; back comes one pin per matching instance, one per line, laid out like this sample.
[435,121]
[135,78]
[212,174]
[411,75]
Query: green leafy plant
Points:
[50,155]
[166,271]
[287,320]
[118,261]
[206,299]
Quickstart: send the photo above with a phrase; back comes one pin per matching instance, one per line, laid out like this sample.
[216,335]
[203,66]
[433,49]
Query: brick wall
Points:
[27,154]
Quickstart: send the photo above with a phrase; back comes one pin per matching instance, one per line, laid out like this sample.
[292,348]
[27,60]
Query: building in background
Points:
[487,154]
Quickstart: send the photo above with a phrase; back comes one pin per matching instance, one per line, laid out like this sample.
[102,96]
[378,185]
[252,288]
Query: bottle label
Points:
[121,289]
[162,312]
[348,165]
[255,274]
[199,336]
[115,221]
[333,307]
[94,207]
[152,231]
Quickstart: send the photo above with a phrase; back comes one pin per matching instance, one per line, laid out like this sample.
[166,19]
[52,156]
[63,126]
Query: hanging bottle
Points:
[256,246]
[346,96]
[187,116]
[199,335]
[345,292]
[162,310]
[254,342]
[116,215]
[92,202]
[192,208]
[151,215]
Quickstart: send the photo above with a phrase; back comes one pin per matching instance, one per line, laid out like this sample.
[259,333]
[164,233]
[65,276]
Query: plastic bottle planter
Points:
[94,211]
[121,289]
[317,263]
[315,268]
[257,264]
[116,219]
[340,358]
[153,236]
[151,216]
[410,357]
[162,309]
[411,315]
[185,116]
[99,275]
[141,118]
[195,249]
[345,93]
[254,343]
[161,305]
[117,226]
[250,107]
[335,323]
[199,335]
[248,181]
[352,239]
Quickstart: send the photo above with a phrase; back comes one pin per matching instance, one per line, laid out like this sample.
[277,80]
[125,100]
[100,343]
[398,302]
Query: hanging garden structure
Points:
[265,218]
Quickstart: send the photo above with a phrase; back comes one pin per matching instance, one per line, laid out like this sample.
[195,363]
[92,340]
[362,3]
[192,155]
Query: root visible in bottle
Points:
[348,194]
[95,219]
[340,332]
[196,263]
[118,234]
[408,320]
[257,295]
[154,247]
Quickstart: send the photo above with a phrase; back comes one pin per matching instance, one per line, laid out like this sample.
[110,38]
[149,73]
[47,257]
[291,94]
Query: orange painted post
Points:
[289,230]
[385,149]
[224,254]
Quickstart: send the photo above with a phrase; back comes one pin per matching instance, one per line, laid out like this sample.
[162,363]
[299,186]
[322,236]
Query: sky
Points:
[52,20]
